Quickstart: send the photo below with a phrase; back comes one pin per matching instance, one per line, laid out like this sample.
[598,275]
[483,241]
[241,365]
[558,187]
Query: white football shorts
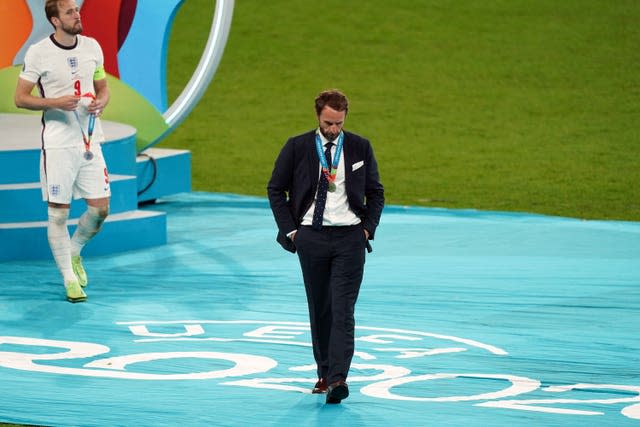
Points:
[65,173]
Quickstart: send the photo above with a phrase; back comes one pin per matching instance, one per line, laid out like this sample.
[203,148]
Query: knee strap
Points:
[95,217]
[58,216]
[88,226]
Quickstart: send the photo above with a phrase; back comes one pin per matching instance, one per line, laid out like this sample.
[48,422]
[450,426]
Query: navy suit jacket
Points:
[295,176]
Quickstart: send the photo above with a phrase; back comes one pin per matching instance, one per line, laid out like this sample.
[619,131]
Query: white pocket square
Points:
[357,165]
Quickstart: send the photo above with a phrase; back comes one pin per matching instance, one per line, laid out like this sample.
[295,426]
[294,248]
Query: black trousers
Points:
[332,261]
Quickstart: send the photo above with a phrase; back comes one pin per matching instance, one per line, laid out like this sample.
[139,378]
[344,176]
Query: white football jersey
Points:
[60,70]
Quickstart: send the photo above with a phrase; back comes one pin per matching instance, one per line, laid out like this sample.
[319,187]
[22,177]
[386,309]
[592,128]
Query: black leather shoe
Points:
[320,387]
[337,391]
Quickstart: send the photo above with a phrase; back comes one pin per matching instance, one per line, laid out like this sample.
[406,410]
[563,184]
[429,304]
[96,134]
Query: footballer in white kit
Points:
[68,71]
[58,70]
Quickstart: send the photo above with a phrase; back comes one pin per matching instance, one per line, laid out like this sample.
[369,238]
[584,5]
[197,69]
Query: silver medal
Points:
[88,155]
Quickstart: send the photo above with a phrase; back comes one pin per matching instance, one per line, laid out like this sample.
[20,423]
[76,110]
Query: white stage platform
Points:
[23,214]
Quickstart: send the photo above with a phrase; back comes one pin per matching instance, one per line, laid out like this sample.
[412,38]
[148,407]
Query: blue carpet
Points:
[464,318]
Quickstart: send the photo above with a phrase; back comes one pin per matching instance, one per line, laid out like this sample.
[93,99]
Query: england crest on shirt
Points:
[73,64]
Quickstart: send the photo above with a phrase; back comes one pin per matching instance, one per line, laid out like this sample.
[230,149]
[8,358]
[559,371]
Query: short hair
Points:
[332,98]
[51,10]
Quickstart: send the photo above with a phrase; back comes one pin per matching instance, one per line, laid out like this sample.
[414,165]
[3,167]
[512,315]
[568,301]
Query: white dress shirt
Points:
[337,210]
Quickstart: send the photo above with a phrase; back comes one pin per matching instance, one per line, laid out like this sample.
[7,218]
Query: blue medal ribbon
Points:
[336,158]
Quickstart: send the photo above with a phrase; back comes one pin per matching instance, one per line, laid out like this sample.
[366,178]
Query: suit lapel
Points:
[312,159]
[347,150]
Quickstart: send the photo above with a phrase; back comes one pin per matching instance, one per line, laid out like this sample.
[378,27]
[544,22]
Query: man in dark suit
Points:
[326,197]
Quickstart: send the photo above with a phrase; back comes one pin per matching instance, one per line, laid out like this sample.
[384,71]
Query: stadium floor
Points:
[464,318]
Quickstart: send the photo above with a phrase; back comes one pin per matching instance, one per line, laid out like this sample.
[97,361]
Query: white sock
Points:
[58,235]
[88,226]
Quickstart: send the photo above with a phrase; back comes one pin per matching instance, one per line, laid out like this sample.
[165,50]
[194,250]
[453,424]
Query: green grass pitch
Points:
[510,105]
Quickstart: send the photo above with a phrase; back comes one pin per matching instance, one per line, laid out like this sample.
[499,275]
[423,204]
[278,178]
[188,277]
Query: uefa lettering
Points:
[378,370]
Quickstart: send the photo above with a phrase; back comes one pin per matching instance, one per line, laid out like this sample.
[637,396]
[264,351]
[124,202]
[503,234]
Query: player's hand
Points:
[96,107]
[67,102]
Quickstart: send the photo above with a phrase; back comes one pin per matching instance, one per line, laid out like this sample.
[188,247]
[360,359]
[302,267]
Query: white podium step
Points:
[120,232]
[23,214]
